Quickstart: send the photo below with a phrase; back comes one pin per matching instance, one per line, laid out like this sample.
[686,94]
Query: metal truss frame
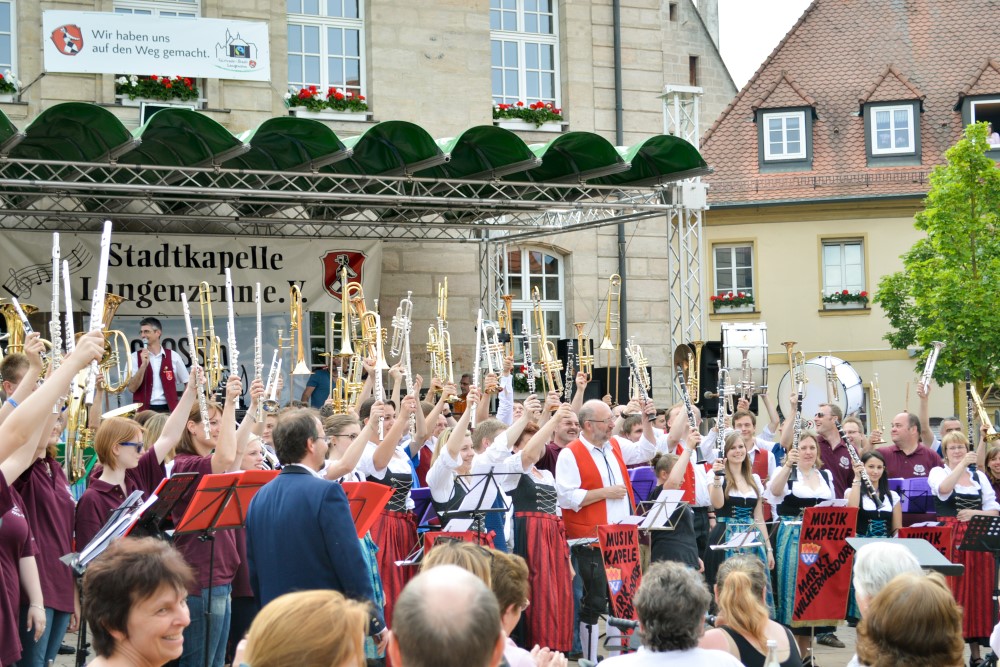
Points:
[681,106]
[685,309]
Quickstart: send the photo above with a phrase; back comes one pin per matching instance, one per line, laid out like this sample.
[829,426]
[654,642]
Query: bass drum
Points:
[850,390]
[737,336]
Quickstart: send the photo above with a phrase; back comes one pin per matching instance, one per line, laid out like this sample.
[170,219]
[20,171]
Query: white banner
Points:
[152,271]
[107,43]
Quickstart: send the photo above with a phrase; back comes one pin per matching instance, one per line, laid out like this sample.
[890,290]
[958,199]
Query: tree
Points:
[951,278]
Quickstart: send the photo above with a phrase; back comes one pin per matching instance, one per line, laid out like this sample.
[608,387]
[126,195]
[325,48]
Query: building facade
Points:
[443,65]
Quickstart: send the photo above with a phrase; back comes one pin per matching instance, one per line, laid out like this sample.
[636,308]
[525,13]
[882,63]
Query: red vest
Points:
[687,484]
[167,381]
[760,468]
[583,523]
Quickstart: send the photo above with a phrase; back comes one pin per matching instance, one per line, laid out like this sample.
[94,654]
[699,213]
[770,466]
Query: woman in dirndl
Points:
[812,486]
[737,496]
[959,495]
[878,516]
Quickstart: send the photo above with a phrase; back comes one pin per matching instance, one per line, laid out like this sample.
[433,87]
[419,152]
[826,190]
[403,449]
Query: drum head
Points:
[814,392]
[752,337]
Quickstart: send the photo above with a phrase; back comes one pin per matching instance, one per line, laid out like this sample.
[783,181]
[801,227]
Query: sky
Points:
[750,29]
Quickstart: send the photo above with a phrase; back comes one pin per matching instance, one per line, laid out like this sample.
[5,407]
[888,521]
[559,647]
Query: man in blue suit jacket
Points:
[300,533]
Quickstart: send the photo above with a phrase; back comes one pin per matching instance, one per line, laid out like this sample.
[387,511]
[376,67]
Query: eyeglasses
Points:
[822,414]
[352,436]
[138,446]
[322,438]
[608,420]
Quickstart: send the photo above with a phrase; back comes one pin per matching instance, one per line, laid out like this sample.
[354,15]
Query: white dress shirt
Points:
[568,480]
[156,394]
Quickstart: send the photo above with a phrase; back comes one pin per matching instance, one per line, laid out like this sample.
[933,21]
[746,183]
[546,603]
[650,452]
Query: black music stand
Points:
[983,534]
[927,555]
[168,494]
[478,501]
[211,509]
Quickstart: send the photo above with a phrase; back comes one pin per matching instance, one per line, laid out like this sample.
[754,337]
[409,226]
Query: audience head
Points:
[446,617]
[671,603]
[470,557]
[509,577]
[741,589]
[12,370]
[119,443]
[486,432]
[299,438]
[913,622]
[135,601]
[319,627]
[878,563]
[631,428]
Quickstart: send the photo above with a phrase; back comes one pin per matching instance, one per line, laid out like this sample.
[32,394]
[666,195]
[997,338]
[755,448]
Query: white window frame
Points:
[891,109]
[166,8]
[13,38]
[522,302]
[842,243]
[732,247]
[330,337]
[522,39]
[993,101]
[323,22]
[766,135]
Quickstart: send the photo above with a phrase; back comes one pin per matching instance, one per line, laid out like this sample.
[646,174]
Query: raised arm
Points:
[926,434]
[490,383]
[458,434]
[386,448]
[581,386]
[676,477]
[535,447]
[531,405]
[33,348]
[772,413]
[173,429]
[224,458]
[349,461]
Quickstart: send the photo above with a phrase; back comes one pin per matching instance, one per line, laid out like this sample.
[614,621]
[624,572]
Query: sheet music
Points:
[480,497]
[739,541]
[632,520]
[413,559]
[458,526]
[115,530]
[662,508]
[836,502]
[925,524]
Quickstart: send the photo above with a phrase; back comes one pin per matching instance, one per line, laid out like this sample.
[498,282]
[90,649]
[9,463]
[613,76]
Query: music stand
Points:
[983,534]
[656,516]
[168,494]
[211,509]
[643,480]
[927,555]
[478,501]
[366,500]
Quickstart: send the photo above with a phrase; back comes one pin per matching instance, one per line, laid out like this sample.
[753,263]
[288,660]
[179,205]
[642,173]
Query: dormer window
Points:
[784,139]
[891,129]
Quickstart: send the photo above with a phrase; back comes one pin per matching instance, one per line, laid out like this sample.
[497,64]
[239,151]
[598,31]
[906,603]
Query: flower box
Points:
[138,102]
[6,98]
[739,302]
[524,126]
[745,308]
[845,300]
[328,114]
[856,305]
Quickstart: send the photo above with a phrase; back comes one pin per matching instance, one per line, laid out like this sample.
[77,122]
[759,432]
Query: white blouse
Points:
[802,490]
[735,493]
[888,502]
[441,476]
[937,475]
[399,464]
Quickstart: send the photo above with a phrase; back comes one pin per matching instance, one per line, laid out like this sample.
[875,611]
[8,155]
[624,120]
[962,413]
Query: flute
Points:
[476,363]
[258,362]
[70,334]
[972,432]
[234,354]
[97,309]
[270,402]
[55,327]
[200,377]
[379,390]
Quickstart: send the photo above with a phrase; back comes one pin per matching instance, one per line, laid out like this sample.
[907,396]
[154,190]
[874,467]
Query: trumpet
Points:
[548,358]
[208,344]
[202,389]
[401,325]
[584,355]
[932,357]
[747,387]
[984,417]
[638,374]
[295,331]
[612,326]
[493,348]
[270,403]
[832,383]
[505,323]
[877,416]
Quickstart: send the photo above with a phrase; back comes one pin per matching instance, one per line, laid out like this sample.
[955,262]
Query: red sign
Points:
[941,537]
[334,262]
[620,551]
[68,39]
[823,578]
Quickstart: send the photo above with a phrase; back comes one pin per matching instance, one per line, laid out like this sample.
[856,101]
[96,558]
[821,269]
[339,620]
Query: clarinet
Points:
[793,474]
[570,375]
[968,402]
[529,366]
[865,479]
[690,410]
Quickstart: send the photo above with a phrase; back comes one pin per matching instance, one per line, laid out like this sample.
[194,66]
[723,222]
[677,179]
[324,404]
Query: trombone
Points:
[505,323]
[585,353]
[208,344]
[548,359]
[295,331]
[612,325]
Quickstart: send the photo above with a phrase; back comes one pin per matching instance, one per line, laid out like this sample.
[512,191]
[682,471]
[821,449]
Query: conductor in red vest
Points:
[157,373]
[594,489]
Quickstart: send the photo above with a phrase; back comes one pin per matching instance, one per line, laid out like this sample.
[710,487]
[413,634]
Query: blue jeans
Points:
[577,597]
[195,640]
[40,653]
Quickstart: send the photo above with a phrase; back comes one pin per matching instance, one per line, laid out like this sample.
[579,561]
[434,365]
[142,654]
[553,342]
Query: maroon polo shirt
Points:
[838,462]
[16,543]
[102,498]
[196,552]
[49,507]
[549,457]
[241,582]
[916,464]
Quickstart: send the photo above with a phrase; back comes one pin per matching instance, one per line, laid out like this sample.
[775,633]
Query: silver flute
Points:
[234,354]
[55,325]
[925,378]
[379,389]
[270,402]
[97,309]
[201,389]
[258,342]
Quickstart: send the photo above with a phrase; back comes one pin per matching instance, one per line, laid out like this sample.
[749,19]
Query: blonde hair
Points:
[319,627]
[154,427]
[746,472]
[111,432]
[953,437]
[740,591]
[913,622]
[465,555]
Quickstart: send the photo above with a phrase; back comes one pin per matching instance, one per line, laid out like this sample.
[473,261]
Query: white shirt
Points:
[568,480]
[505,400]
[867,503]
[156,395]
[695,657]
[441,476]
[314,473]
[937,475]
[802,490]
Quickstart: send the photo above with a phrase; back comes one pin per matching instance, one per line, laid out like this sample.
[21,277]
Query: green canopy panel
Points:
[573,157]
[75,132]
[287,143]
[183,138]
[657,160]
[484,152]
[390,148]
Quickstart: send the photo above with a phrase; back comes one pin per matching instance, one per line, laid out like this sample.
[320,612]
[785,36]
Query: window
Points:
[987,111]
[693,70]
[891,129]
[843,266]
[784,136]
[324,337]
[182,8]
[673,11]
[326,44]
[524,47]
[8,36]
[526,269]
[733,269]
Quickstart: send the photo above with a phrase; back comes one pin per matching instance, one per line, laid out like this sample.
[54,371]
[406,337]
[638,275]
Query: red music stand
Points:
[366,499]
[212,509]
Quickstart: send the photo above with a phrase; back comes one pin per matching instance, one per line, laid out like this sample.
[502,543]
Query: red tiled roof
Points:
[784,93]
[840,51]
[891,86]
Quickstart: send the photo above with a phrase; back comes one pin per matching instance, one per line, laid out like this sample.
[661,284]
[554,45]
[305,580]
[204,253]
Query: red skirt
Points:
[540,539]
[973,589]
[395,534]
